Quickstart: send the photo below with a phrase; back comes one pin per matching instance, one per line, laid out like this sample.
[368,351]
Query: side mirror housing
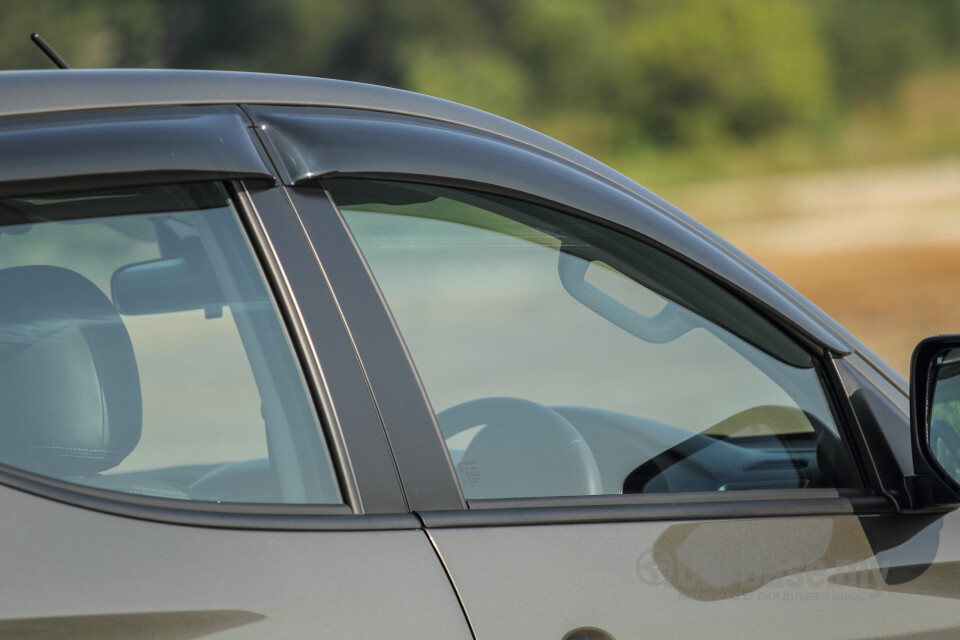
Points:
[935,423]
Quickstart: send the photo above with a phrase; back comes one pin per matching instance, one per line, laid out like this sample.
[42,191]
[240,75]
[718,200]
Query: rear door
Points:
[189,445]
[631,445]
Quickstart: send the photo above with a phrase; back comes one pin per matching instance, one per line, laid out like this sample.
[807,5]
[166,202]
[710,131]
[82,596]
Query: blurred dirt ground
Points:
[878,249]
[890,298]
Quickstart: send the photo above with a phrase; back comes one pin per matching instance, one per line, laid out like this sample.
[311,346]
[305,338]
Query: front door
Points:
[643,453]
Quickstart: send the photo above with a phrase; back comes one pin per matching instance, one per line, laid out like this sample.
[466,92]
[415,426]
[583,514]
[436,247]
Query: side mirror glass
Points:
[935,402]
[945,413]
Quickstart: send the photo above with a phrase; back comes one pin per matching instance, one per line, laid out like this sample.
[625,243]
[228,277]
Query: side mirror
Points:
[935,422]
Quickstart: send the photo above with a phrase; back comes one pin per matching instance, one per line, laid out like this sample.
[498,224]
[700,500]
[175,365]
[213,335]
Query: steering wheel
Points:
[523,450]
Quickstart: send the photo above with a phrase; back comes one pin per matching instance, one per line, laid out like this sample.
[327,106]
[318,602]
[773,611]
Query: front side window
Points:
[563,358]
[141,351]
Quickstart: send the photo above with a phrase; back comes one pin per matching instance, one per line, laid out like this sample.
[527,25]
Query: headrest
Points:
[69,388]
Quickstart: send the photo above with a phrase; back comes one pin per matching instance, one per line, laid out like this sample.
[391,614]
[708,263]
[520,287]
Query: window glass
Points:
[140,351]
[563,358]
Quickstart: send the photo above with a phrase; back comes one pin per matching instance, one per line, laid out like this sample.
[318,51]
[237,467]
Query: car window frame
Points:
[428,478]
[725,316]
[337,388]
[316,142]
[760,500]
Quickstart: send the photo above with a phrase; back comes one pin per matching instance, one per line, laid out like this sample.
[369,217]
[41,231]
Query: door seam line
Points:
[446,571]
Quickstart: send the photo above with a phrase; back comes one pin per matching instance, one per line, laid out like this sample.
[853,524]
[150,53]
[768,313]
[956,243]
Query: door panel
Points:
[818,577]
[86,574]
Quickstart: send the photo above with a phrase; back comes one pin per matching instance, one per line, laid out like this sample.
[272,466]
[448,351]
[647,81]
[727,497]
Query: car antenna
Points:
[48,50]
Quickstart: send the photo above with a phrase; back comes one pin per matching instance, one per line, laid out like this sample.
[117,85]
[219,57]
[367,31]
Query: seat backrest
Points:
[70,401]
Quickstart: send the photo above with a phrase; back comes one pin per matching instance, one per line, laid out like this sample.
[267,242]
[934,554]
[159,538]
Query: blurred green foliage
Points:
[735,68]
[638,78]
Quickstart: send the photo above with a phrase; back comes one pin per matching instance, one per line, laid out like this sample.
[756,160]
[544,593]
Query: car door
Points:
[189,445]
[640,436]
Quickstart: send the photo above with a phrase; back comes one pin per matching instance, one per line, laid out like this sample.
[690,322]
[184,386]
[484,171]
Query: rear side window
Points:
[141,352]
[563,358]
